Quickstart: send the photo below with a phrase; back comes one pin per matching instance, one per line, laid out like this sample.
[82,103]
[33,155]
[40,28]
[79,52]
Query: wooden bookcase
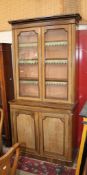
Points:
[6,87]
[45,66]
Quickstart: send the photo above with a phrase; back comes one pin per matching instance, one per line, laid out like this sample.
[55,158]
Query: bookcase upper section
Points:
[45,62]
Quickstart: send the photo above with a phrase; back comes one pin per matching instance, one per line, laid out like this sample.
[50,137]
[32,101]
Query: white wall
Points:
[6,37]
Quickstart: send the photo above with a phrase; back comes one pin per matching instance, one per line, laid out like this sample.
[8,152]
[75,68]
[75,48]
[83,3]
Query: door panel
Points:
[25,130]
[25,135]
[52,142]
[55,132]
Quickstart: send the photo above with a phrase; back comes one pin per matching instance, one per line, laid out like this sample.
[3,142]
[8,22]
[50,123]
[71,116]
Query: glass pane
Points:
[28,64]
[29,88]
[56,90]
[56,70]
[56,63]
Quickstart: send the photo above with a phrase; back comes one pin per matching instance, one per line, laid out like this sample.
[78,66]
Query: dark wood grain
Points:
[77,17]
[7,90]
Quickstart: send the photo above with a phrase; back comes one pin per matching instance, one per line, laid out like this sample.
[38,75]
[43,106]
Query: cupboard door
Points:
[56,136]
[56,53]
[25,129]
[28,63]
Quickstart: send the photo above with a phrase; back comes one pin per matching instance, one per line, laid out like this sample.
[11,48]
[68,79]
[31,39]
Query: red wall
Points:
[82,77]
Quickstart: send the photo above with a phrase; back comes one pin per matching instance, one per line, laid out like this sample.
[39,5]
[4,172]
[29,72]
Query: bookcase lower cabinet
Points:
[44,134]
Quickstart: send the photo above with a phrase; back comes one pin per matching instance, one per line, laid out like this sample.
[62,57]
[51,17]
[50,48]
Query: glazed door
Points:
[56,135]
[25,129]
[28,63]
[56,53]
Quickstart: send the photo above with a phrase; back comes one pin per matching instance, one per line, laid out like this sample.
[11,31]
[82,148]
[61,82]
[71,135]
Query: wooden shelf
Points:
[28,61]
[56,80]
[48,43]
[47,61]
[56,83]
[29,82]
[55,61]
[28,79]
[33,44]
[55,43]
